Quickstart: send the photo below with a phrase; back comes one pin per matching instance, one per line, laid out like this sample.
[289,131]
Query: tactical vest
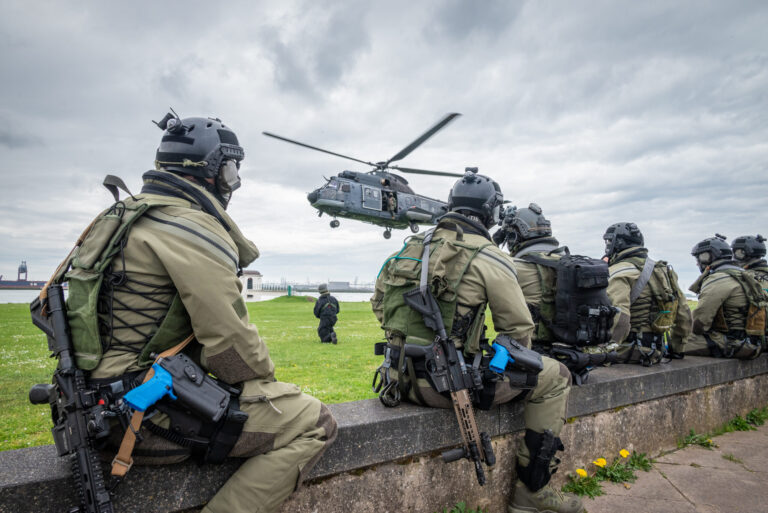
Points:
[751,319]
[575,308]
[84,271]
[655,309]
[448,263]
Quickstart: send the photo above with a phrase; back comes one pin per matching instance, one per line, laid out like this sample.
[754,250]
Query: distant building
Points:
[338,285]
[251,281]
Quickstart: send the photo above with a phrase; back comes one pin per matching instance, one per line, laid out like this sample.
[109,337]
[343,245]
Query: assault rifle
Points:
[79,414]
[448,372]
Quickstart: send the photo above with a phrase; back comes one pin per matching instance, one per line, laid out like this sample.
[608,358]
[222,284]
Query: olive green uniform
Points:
[634,319]
[491,279]
[181,249]
[758,268]
[720,315]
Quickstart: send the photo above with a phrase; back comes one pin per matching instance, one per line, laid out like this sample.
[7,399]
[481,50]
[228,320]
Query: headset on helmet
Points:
[620,236]
[478,194]
[525,224]
[748,247]
[711,250]
[203,148]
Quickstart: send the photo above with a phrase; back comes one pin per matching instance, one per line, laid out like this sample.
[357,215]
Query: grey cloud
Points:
[457,20]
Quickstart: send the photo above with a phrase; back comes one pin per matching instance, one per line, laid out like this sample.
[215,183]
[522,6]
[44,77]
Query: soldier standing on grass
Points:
[326,309]
[172,274]
[466,273]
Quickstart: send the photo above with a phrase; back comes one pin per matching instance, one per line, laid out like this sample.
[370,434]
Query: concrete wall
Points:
[388,459]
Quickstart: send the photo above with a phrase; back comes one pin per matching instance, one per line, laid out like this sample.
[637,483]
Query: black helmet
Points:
[203,148]
[711,250]
[477,194]
[748,247]
[526,223]
[621,236]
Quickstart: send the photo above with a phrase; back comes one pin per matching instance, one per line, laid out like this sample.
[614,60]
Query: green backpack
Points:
[84,270]
[448,262]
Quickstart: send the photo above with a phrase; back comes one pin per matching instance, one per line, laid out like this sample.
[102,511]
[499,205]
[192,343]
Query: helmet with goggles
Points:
[621,236]
[477,194]
[711,250]
[748,247]
[202,148]
[525,224]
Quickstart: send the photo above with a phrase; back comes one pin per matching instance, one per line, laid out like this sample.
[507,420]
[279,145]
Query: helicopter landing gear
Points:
[335,223]
[388,233]
[414,228]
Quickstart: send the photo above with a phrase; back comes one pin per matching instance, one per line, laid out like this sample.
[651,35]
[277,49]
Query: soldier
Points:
[749,253]
[467,272]
[527,232]
[175,273]
[537,256]
[326,308]
[654,318]
[726,293]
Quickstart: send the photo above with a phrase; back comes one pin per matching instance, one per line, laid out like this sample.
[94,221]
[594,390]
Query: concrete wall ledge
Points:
[34,479]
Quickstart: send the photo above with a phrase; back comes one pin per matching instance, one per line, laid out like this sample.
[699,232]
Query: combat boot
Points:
[546,500]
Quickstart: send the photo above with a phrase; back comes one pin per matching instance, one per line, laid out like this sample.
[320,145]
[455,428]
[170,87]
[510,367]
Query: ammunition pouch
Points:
[580,363]
[411,368]
[646,349]
[542,448]
[742,346]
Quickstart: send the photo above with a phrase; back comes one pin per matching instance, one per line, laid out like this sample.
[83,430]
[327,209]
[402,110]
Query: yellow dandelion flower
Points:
[600,462]
[581,472]
[624,453]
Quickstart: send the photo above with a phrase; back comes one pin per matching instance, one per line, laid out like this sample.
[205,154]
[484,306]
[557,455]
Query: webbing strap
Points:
[425,262]
[123,461]
[642,281]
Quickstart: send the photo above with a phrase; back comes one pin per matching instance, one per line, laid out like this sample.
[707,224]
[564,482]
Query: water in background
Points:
[18,296]
[26,296]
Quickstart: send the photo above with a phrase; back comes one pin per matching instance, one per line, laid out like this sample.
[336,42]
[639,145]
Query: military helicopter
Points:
[378,197]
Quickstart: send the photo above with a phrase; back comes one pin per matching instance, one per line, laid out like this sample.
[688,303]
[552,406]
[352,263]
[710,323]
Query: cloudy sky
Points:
[652,112]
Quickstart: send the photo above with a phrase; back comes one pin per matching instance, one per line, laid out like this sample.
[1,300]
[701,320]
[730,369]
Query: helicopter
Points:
[378,196]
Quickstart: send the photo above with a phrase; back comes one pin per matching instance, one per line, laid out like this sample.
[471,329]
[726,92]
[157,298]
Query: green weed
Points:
[696,439]
[757,417]
[583,486]
[616,472]
[639,461]
[731,457]
[461,507]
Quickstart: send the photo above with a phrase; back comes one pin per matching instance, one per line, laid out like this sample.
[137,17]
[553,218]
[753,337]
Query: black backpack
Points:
[583,314]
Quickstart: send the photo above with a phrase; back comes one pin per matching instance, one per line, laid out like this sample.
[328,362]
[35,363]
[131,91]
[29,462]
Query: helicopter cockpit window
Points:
[371,198]
[333,184]
[345,187]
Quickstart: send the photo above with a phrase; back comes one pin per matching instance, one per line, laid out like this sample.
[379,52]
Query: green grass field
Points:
[332,373]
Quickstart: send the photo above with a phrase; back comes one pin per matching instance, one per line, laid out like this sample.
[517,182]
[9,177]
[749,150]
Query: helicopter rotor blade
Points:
[426,135]
[268,134]
[425,171]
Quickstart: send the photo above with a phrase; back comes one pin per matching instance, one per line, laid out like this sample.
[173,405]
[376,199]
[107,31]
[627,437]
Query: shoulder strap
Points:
[538,259]
[642,281]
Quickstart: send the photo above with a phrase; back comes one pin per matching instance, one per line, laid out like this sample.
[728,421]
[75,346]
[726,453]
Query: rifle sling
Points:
[642,281]
[123,461]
